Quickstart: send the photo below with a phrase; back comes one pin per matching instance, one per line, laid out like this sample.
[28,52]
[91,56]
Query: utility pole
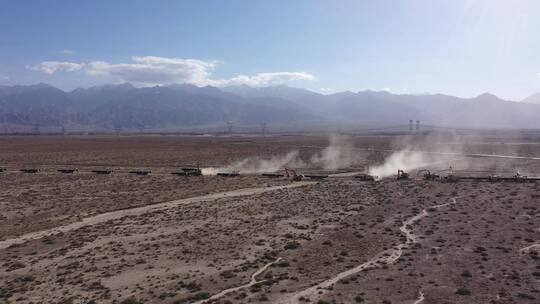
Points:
[229,126]
[140,127]
[417,125]
[263,129]
[35,130]
[117,130]
[410,125]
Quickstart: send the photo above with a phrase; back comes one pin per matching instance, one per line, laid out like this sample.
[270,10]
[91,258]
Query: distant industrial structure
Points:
[411,125]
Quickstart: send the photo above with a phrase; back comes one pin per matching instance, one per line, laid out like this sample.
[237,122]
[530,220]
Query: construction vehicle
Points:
[290,173]
[518,178]
[428,175]
[365,177]
[193,171]
[401,175]
[228,174]
[494,178]
[29,170]
[189,172]
[451,177]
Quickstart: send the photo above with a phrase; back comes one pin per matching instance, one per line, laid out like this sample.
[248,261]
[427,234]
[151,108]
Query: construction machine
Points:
[428,175]
[365,177]
[518,178]
[402,174]
[451,177]
[290,173]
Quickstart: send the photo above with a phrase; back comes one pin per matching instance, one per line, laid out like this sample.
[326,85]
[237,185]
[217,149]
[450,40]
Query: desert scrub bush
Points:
[130,300]
[291,245]
[463,292]
[466,274]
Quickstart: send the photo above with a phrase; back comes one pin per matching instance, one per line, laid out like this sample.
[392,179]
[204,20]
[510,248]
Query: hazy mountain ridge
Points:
[124,106]
[127,107]
[534,98]
[485,110]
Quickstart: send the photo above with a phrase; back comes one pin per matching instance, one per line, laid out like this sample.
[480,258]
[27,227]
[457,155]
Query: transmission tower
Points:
[411,125]
[229,126]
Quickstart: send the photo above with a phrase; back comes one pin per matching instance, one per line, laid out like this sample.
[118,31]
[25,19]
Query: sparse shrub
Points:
[16,265]
[466,274]
[291,245]
[283,264]
[463,292]
[227,274]
[130,300]
[525,296]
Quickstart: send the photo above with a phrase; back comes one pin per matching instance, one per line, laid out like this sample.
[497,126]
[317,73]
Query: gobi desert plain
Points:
[115,225]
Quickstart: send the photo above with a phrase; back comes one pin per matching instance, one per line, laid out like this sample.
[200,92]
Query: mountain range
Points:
[109,107]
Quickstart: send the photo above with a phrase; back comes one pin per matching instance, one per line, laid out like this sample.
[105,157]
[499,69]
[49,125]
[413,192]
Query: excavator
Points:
[290,173]
[451,177]
[402,174]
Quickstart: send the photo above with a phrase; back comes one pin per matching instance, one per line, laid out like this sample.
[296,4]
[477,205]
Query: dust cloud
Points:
[405,159]
[340,153]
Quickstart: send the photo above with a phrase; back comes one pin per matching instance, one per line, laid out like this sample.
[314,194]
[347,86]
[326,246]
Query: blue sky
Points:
[456,47]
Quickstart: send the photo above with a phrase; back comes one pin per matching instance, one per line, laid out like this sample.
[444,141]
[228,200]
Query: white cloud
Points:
[262,79]
[67,51]
[152,70]
[3,77]
[51,67]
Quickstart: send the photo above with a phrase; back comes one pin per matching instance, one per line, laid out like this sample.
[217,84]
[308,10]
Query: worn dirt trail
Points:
[527,249]
[104,217]
[252,282]
[421,298]
[383,258]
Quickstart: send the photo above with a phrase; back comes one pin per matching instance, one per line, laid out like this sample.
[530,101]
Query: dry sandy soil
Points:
[153,239]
